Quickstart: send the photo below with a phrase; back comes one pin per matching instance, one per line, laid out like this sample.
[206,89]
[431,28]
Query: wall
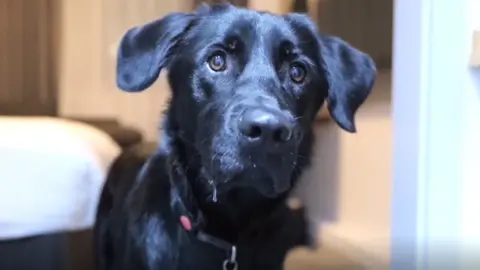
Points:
[368,27]
[27,70]
[348,188]
[89,35]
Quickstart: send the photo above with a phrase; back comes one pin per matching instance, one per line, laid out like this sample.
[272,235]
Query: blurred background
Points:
[58,59]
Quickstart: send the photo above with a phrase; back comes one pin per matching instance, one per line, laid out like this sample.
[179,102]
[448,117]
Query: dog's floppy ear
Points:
[350,75]
[145,50]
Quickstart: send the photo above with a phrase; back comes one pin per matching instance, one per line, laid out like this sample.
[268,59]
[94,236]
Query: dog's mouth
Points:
[271,176]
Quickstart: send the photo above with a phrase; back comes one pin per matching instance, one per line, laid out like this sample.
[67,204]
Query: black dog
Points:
[246,87]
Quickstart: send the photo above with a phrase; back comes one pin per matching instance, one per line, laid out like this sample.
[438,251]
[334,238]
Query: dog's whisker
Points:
[203,141]
[300,156]
[214,156]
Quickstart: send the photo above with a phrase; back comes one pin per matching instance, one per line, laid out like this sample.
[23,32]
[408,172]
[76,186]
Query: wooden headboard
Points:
[27,57]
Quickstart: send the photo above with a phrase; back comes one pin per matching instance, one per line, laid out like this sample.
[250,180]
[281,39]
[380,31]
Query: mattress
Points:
[51,174]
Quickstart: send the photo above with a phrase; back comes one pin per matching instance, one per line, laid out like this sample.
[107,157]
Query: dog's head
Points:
[246,86]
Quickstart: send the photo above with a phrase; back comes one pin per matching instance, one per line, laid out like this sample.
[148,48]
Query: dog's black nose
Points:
[266,125]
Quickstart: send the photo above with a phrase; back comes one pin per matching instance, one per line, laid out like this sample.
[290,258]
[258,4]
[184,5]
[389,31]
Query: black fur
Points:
[202,147]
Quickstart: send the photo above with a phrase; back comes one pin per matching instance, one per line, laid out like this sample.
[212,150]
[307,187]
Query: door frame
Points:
[436,100]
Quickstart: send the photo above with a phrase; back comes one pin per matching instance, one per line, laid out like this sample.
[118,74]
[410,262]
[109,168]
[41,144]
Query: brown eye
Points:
[217,62]
[297,73]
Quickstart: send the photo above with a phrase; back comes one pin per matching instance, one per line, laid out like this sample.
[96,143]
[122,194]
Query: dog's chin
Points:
[271,192]
[269,175]
[269,183]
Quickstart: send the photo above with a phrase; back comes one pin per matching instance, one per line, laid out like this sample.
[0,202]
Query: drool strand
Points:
[214,191]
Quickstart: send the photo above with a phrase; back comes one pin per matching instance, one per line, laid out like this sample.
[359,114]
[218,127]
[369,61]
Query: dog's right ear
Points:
[145,50]
[350,74]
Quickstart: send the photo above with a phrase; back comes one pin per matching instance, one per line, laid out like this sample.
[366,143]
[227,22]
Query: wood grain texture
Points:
[90,32]
[366,24]
[27,57]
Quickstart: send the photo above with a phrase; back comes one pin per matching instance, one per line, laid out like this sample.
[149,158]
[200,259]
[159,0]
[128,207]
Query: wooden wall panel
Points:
[91,30]
[366,24]
[27,57]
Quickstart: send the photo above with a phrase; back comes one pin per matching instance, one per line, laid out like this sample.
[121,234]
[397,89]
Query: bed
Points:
[47,160]
[51,173]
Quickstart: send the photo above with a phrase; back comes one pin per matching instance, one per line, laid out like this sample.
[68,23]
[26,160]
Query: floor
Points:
[322,259]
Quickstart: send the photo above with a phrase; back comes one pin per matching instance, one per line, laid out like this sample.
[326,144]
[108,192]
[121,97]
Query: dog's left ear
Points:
[145,50]
[350,75]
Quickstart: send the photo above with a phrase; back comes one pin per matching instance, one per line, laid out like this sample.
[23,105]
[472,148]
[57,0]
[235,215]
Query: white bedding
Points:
[51,174]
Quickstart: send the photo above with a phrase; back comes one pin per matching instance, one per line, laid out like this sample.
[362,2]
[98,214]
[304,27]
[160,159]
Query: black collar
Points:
[215,241]
[231,262]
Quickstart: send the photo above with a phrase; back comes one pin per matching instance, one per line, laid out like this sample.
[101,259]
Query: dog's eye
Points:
[217,62]
[297,73]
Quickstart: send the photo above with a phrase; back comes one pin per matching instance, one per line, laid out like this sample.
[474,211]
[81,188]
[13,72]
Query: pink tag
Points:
[186,224]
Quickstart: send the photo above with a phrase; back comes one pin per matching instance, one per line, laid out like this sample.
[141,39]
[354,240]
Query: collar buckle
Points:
[231,264]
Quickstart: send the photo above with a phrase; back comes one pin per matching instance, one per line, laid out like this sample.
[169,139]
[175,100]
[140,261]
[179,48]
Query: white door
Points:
[436,202]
